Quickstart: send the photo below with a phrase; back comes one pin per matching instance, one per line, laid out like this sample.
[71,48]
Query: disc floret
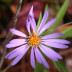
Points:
[34,40]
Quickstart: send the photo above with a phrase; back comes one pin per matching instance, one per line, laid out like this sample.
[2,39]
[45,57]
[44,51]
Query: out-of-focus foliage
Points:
[38,67]
[67,33]
[60,66]
[46,32]
[0,71]
[40,17]
[6,1]
[46,8]
[45,70]
[60,14]
[39,21]
[59,17]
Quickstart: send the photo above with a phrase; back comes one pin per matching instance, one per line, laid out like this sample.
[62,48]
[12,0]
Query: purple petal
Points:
[47,25]
[37,56]
[15,50]
[16,32]
[17,53]
[50,53]
[17,59]
[47,53]
[28,26]
[58,41]
[32,58]
[43,61]
[27,21]
[33,24]
[31,12]
[14,41]
[56,45]
[32,20]
[52,35]
[43,20]
[14,44]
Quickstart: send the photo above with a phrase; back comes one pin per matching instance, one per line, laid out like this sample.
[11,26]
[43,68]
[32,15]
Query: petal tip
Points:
[31,11]
[6,57]
[12,64]
[67,46]
[69,42]
[47,67]
[34,67]
[55,19]
[61,58]
[7,46]
[61,34]
[56,59]
[32,6]
[46,12]
[9,57]
[11,29]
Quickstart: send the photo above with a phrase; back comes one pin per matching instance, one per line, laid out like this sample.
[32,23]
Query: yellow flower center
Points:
[34,40]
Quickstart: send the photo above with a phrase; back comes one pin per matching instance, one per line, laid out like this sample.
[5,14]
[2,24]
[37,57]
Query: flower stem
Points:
[3,45]
[6,68]
[10,34]
[17,13]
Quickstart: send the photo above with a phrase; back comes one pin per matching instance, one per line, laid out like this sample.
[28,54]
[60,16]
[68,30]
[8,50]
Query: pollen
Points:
[34,40]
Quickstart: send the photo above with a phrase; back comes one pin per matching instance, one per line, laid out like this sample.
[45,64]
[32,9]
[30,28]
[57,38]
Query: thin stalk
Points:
[10,34]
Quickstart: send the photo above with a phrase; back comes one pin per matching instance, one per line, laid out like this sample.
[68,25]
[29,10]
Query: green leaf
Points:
[40,17]
[67,33]
[38,67]
[6,1]
[45,70]
[60,66]
[45,33]
[0,70]
[57,66]
[60,14]
[39,21]
[46,7]
[59,17]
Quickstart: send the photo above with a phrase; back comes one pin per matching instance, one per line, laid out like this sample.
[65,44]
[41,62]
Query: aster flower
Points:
[36,42]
